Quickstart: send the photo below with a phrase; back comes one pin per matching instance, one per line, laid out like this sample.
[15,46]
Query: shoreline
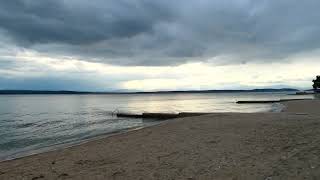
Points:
[25,154]
[186,136]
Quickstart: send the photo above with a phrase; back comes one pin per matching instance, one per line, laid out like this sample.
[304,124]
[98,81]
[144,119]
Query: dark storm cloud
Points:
[142,32]
[77,22]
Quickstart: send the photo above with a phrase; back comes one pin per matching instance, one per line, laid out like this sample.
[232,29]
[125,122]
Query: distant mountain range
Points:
[149,92]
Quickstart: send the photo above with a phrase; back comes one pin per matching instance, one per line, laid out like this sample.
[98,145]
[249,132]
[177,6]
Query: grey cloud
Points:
[76,22]
[142,32]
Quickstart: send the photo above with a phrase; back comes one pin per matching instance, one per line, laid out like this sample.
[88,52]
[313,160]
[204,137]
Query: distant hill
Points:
[150,92]
[40,92]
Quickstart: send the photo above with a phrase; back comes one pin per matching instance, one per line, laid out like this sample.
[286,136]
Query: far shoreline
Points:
[67,92]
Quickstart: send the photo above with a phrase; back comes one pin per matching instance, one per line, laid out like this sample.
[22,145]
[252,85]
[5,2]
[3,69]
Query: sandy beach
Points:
[231,146]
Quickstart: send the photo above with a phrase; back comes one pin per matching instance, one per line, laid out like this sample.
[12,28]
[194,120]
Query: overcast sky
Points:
[104,45]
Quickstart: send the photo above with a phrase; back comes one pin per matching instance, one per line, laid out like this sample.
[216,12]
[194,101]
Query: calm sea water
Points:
[36,123]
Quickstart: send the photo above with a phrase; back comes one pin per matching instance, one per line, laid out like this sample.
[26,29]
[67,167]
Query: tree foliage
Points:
[316,83]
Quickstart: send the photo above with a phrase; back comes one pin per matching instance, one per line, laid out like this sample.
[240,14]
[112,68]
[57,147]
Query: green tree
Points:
[316,83]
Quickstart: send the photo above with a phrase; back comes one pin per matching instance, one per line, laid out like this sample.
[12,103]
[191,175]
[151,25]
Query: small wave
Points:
[276,107]
[6,120]
[103,113]
[104,121]
[22,143]
[25,125]
[2,114]
[90,123]
[81,113]
[48,123]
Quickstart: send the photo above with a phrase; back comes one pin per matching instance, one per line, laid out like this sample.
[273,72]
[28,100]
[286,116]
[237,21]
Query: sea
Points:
[31,124]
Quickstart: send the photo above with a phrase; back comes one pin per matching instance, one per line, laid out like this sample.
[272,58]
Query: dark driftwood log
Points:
[253,102]
[160,116]
[268,101]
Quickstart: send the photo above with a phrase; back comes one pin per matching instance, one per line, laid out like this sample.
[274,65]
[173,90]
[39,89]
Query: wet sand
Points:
[231,146]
